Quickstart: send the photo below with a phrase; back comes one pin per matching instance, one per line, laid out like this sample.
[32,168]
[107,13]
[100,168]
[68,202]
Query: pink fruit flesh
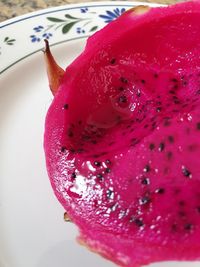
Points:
[122,138]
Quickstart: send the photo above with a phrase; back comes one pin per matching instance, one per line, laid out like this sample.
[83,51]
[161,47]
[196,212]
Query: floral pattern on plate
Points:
[59,25]
[82,25]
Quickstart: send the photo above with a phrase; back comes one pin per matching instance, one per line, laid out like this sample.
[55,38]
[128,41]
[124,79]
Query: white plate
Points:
[32,230]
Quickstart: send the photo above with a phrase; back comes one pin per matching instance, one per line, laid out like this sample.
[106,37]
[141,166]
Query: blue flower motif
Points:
[111,15]
[84,10]
[79,30]
[38,28]
[47,35]
[34,38]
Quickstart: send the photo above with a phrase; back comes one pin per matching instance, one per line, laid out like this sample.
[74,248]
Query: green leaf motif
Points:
[93,28]
[55,19]
[11,40]
[68,27]
[70,17]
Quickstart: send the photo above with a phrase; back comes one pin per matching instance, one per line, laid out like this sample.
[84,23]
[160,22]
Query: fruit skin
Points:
[122,138]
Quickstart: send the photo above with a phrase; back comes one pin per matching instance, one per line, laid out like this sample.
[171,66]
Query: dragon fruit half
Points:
[122,136]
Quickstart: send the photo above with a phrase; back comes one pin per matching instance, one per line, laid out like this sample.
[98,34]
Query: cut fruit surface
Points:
[122,137]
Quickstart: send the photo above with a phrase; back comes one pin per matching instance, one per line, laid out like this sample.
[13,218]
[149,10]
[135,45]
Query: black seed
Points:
[185,83]
[121,88]
[177,102]
[146,168]
[171,139]
[66,106]
[107,170]
[158,109]
[184,105]
[123,80]
[151,146]
[143,81]
[103,153]
[154,125]
[70,133]
[160,191]
[198,125]
[122,99]
[134,141]
[175,110]
[80,150]
[177,191]
[181,203]
[63,149]
[166,122]
[175,86]
[182,214]
[113,60]
[192,147]
[161,147]
[198,209]
[172,92]
[174,80]
[145,181]
[122,214]
[118,119]
[108,162]
[99,175]
[144,200]
[86,137]
[138,222]
[155,75]
[186,172]
[138,93]
[175,97]
[73,175]
[110,194]
[113,207]
[174,227]
[188,226]
[111,143]
[72,125]
[169,155]
[97,163]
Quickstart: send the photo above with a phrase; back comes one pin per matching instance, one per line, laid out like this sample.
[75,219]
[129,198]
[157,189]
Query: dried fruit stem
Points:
[66,217]
[55,73]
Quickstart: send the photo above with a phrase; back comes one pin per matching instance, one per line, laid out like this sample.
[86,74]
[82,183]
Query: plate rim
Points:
[48,10]
[10,61]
